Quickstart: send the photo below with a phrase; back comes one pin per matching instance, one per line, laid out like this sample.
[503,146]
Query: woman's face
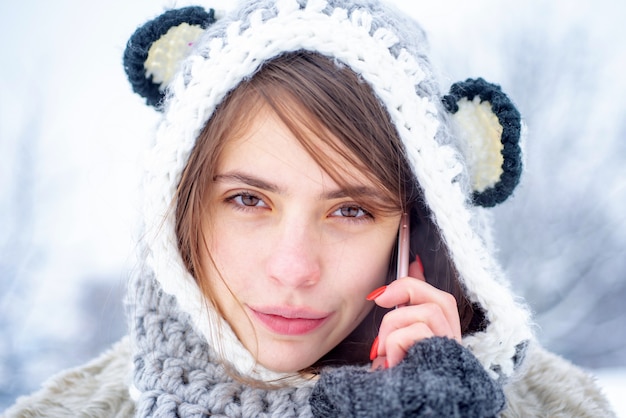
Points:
[294,255]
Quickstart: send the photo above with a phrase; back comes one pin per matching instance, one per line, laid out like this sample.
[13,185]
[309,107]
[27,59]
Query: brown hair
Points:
[311,93]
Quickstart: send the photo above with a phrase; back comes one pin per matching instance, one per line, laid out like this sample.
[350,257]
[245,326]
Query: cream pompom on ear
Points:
[156,49]
[489,128]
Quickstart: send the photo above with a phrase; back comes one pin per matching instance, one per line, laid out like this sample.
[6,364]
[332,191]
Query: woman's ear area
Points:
[156,49]
[489,128]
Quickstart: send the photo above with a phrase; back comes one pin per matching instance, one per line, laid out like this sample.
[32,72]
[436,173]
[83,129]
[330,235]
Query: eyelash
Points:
[364,216]
[236,200]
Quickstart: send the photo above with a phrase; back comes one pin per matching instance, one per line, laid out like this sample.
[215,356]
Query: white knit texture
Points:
[204,82]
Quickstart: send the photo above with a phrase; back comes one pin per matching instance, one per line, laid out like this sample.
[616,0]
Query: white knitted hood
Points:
[389,52]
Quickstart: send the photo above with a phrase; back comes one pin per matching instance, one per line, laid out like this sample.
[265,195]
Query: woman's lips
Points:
[290,321]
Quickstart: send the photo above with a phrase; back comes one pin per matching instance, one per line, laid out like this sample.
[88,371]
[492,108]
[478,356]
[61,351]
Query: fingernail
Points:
[376,293]
[374,349]
[386,364]
[418,260]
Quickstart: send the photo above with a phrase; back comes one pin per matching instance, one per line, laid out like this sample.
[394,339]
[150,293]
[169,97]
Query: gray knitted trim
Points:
[437,378]
[176,372]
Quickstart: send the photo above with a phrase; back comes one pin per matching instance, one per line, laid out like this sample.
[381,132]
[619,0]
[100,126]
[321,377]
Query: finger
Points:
[428,314]
[379,363]
[400,341]
[416,269]
[406,292]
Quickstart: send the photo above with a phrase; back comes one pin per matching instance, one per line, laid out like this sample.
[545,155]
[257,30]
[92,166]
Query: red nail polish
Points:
[374,349]
[376,293]
[418,260]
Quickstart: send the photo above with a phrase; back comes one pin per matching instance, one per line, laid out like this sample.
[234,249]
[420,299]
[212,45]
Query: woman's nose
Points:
[294,255]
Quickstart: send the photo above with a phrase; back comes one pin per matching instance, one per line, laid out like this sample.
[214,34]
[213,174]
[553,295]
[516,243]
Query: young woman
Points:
[313,242]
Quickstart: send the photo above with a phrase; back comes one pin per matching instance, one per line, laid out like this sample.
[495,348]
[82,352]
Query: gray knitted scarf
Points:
[178,374]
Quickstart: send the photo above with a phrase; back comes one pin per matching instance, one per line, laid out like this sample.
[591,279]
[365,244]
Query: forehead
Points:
[267,142]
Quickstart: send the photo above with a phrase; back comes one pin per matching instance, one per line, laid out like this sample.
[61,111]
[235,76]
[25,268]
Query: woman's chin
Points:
[285,366]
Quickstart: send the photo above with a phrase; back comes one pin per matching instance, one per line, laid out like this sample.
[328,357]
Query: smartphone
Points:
[402,269]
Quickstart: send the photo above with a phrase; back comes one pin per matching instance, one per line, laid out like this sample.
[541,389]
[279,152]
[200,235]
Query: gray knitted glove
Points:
[437,378]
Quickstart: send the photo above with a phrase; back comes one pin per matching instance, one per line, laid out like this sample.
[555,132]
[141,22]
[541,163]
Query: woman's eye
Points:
[351,211]
[247,200]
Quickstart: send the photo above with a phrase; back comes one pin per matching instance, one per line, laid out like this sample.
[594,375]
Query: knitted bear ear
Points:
[489,127]
[155,50]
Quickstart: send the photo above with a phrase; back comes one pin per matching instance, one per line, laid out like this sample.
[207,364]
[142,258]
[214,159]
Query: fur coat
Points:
[548,386]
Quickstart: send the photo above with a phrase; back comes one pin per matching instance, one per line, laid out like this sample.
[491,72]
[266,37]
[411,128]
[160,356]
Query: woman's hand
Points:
[423,311]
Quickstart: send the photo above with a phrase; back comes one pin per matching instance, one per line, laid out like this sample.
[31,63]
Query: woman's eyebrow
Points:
[340,193]
[352,191]
[240,177]
[371,196]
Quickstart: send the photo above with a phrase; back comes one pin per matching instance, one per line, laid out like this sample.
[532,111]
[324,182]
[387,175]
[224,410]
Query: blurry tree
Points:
[17,254]
[103,321]
[563,236]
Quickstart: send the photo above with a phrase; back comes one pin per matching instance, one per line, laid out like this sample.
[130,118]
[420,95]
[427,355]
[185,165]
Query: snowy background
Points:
[72,134]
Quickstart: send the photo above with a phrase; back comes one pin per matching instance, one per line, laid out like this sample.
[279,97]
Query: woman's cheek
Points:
[366,264]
